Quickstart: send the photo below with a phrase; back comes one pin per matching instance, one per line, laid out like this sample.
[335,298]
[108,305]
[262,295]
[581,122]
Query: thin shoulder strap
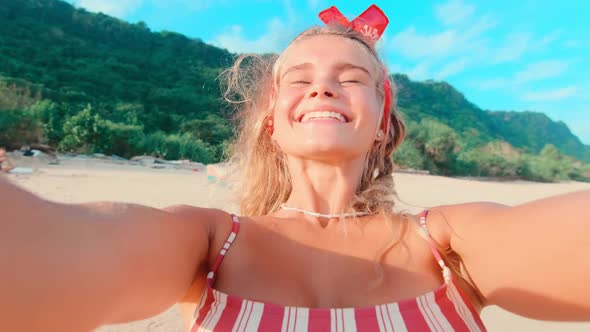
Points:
[446,272]
[211,276]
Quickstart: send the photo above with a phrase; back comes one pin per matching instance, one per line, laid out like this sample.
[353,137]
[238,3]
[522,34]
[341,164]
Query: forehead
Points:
[325,51]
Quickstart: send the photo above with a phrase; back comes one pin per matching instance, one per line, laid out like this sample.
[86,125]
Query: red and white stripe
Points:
[390,318]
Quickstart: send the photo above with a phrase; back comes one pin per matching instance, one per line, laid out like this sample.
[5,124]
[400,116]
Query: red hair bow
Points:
[371,23]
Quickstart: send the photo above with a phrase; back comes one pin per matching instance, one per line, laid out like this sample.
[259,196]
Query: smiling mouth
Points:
[323,115]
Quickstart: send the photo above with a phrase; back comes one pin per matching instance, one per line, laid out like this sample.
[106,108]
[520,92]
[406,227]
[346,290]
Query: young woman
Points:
[319,246]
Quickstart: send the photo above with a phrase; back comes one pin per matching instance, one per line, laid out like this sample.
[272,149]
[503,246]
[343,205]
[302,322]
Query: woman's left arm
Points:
[532,259]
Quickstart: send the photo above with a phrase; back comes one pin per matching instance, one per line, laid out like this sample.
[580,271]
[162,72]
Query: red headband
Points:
[371,24]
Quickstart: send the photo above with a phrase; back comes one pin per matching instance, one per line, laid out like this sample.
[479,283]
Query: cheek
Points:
[285,104]
[368,101]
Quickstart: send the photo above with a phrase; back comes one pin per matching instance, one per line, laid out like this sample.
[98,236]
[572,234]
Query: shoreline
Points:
[149,163]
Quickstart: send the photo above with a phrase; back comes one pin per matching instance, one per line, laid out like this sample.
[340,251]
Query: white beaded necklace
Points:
[321,215]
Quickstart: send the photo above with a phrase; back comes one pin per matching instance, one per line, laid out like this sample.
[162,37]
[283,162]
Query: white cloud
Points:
[275,39]
[518,44]
[452,68]
[515,45]
[117,8]
[549,38]
[453,12]
[453,50]
[465,42]
[414,45]
[549,95]
[190,5]
[493,83]
[572,43]
[421,71]
[536,71]
[477,28]
[541,70]
[314,4]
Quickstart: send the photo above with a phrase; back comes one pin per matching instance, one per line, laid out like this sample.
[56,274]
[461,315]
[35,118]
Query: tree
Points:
[81,131]
[408,156]
[439,143]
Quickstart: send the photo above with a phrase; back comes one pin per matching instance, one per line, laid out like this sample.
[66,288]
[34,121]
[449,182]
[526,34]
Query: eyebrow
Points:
[339,66]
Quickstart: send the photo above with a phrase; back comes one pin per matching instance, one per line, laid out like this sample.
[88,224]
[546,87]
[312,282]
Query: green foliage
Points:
[550,165]
[19,127]
[16,127]
[495,159]
[533,131]
[75,57]
[526,130]
[121,139]
[437,142]
[214,130]
[183,146]
[408,156]
[17,95]
[52,118]
[81,131]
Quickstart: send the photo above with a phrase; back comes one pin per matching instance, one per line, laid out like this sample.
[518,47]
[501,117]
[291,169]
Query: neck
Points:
[323,187]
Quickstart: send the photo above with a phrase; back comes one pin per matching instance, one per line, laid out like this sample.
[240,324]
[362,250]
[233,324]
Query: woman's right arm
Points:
[75,267]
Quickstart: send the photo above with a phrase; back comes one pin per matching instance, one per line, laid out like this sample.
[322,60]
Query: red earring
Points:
[268,120]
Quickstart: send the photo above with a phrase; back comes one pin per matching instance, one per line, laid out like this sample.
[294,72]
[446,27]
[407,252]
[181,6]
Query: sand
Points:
[82,180]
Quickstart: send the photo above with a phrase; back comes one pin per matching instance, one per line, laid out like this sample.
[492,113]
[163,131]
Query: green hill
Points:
[530,131]
[87,82]
[81,57]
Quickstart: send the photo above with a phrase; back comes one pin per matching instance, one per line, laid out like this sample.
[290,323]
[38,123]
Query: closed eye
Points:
[350,82]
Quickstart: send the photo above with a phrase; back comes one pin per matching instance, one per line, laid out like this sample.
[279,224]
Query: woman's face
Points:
[327,107]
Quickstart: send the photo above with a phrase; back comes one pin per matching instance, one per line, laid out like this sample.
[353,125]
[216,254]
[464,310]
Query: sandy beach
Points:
[82,180]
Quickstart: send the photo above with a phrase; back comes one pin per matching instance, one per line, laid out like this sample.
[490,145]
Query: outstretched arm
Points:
[75,267]
[532,259]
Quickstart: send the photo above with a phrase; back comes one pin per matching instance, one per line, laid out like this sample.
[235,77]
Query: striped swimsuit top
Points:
[444,309]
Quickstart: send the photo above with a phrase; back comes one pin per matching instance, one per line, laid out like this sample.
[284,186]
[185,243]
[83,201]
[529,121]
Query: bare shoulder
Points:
[445,221]
[216,223]
[202,217]
[201,213]
[451,226]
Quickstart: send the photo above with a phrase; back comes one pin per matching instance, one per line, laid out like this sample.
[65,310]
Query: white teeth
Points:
[315,115]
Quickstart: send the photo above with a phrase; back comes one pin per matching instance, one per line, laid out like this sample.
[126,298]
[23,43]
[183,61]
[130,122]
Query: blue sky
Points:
[503,55]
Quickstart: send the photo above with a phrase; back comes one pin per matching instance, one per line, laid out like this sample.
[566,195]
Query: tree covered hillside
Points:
[529,131]
[85,82]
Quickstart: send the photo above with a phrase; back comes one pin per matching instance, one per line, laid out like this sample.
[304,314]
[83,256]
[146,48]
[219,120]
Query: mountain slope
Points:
[84,57]
[530,131]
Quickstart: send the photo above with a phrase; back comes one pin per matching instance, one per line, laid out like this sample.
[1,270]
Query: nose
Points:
[322,89]
[315,93]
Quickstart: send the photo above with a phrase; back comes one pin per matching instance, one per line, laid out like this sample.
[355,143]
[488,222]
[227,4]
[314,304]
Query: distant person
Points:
[319,245]
[5,163]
